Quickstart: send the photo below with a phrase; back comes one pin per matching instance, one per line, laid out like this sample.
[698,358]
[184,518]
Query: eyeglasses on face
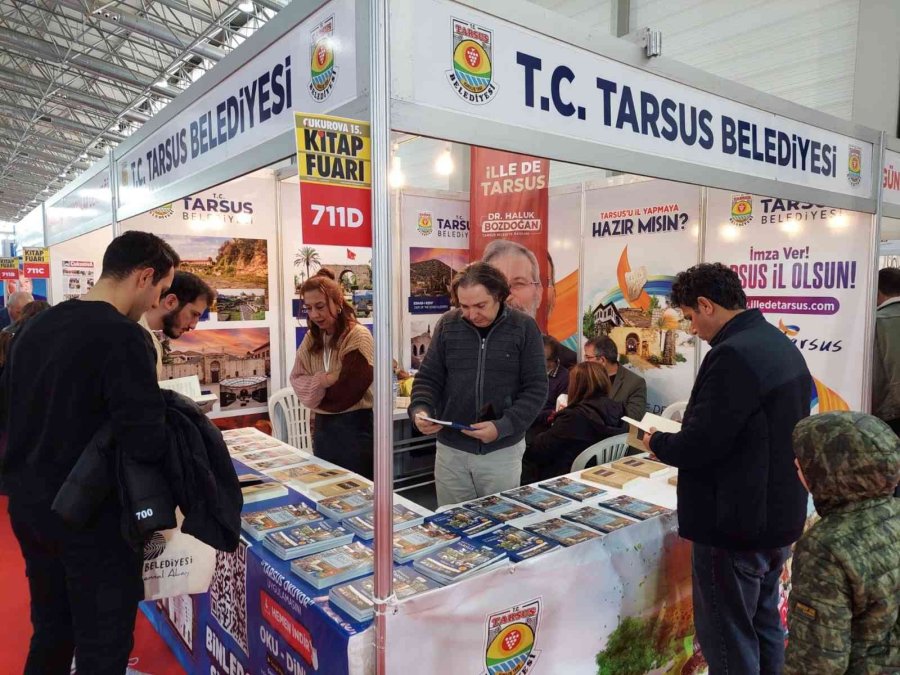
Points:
[522,285]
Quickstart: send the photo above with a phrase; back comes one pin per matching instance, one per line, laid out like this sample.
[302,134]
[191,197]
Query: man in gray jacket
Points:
[886,368]
[484,371]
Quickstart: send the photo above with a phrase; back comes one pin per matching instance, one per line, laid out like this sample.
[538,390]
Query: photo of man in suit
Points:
[628,388]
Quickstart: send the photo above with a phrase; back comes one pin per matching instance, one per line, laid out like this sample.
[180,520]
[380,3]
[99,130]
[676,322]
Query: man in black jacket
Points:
[484,369]
[739,499]
[72,369]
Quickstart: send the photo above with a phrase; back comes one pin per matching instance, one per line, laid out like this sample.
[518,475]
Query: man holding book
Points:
[739,499]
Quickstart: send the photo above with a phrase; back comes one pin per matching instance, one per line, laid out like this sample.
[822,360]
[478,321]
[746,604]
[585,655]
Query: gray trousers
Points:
[461,476]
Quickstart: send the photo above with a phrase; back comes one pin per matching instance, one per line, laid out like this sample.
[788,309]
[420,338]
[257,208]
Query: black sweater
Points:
[73,368]
[737,485]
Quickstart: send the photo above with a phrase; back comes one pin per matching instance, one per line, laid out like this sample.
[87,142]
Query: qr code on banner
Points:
[228,594]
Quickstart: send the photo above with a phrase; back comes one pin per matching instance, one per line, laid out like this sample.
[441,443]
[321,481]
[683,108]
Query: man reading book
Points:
[739,499]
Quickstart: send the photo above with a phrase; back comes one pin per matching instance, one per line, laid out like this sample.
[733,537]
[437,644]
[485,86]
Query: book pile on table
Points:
[335,566]
[257,488]
[517,544]
[540,500]
[342,487]
[458,561]
[308,473]
[347,505]
[364,525]
[598,519]
[635,508]
[606,475]
[494,506]
[355,598]
[641,467]
[260,523]
[572,489]
[420,540]
[562,532]
[307,539]
[465,522]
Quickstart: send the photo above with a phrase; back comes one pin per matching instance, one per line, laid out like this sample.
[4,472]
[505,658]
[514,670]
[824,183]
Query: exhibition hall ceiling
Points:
[77,77]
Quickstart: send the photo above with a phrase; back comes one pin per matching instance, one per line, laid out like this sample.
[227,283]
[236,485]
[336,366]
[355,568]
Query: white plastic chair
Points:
[675,411]
[607,450]
[290,419]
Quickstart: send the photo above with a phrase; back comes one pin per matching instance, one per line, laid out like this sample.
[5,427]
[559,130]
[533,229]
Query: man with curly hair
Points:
[739,498]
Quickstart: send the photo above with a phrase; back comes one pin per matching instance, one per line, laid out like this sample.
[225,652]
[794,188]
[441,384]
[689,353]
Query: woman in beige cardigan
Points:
[332,375]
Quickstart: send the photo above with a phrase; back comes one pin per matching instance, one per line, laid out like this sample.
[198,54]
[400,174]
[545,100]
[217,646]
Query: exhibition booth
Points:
[616,170]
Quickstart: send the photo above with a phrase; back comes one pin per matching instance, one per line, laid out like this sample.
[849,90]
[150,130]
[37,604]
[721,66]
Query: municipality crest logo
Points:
[472,75]
[741,210]
[854,166]
[323,72]
[162,212]
[511,636]
[425,223]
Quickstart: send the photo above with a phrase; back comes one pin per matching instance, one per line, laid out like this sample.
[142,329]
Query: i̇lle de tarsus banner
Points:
[334,163]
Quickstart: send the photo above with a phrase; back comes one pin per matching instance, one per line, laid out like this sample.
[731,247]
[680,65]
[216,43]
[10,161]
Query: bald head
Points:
[16,303]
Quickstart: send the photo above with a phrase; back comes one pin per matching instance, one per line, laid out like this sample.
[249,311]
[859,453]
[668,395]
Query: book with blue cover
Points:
[572,489]
[458,561]
[498,508]
[465,522]
[634,508]
[563,532]
[598,519]
[307,539]
[364,526]
[518,544]
[420,540]
[540,500]
[335,566]
[260,523]
[355,598]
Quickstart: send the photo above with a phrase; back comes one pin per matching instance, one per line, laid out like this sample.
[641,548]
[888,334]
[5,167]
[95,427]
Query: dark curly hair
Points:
[713,281]
[482,273]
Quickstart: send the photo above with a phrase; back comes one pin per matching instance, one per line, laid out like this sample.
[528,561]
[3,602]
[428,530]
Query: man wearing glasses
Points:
[628,388]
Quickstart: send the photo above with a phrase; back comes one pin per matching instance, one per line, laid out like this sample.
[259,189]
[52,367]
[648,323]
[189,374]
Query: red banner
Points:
[289,628]
[336,215]
[509,202]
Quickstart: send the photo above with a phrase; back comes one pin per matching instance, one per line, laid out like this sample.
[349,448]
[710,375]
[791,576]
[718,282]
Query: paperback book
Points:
[562,532]
[642,467]
[260,523]
[458,561]
[607,476]
[355,598]
[572,489]
[498,508]
[257,488]
[347,505]
[293,474]
[320,476]
[341,487]
[598,519]
[634,507]
[518,544]
[335,566]
[364,525]
[465,522]
[275,462]
[267,453]
[420,540]
[540,500]
[307,539]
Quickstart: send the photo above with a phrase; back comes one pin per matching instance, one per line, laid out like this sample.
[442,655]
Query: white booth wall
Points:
[87,248]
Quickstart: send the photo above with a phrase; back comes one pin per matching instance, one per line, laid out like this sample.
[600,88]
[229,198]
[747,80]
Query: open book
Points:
[190,387]
[649,421]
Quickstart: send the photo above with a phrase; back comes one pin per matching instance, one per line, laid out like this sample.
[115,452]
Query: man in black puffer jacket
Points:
[739,498]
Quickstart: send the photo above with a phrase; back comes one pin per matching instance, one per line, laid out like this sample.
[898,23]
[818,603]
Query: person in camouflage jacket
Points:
[845,602]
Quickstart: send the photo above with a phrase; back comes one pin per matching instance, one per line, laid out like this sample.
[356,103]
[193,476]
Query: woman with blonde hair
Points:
[589,417]
[333,374]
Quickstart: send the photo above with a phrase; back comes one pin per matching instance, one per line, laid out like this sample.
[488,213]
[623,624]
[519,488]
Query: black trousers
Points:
[346,439]
[85,588]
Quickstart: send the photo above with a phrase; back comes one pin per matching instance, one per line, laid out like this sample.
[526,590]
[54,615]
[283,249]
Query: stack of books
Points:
[560,531]
[347,505]
[257,488]
[572,489]
[598,519]
[420,540]
[635,508]
[465,522]
[260,523]
[458,561]
[342,487]
[307,473]
[606,475]
[641,467]
[518,544]
[307,539]
[364,525]
[536,499]
[335,566]
[355,598]
[498,508]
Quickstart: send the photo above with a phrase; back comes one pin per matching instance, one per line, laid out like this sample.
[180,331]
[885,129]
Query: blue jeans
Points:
[736,609]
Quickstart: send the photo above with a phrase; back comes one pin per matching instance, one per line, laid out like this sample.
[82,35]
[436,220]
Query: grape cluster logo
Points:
[472,75]
[511,638]
[323,72]
[854,165]
[425,223]
[741,210]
